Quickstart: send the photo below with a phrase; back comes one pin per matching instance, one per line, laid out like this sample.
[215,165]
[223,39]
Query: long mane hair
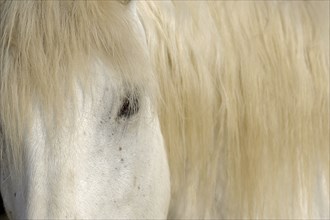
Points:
[245,105]
[241,88]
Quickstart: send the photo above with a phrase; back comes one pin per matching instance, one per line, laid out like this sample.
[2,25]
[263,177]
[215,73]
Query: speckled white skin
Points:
[108,168]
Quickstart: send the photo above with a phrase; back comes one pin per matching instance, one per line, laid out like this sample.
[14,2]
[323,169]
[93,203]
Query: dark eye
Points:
[125,2]
[130,106]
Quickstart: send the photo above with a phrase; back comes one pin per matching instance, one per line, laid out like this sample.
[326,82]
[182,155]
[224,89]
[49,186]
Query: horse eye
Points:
[125,2]
[130,106]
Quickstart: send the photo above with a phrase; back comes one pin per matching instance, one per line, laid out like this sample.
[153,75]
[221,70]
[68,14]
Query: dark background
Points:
[2,210]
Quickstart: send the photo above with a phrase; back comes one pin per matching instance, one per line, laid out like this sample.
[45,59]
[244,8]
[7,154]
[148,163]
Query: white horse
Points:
[141,109]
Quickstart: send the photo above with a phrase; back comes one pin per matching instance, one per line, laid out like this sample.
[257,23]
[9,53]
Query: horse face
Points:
[109,162]
[112,165]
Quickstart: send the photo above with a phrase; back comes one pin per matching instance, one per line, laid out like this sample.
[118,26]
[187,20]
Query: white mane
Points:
[245,105]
